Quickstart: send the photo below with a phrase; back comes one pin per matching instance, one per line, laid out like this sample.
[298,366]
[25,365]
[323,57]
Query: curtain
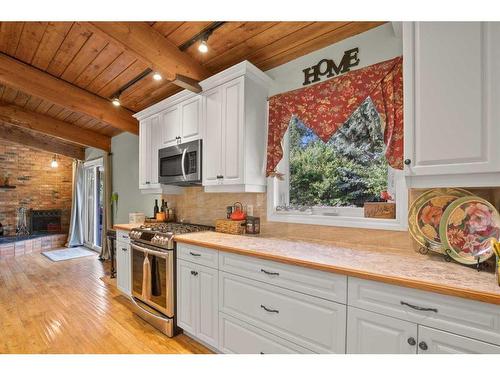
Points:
[106,211]
[75,235]
[326,106]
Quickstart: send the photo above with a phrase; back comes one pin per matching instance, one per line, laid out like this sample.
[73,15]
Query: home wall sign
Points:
[329,68]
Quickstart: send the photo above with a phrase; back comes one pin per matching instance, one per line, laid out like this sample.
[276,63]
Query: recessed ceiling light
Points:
[116,102]
[157,76]
[203,47]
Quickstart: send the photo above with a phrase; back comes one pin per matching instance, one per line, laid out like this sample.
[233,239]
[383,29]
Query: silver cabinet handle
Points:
[269,272]
[269,310]
[194,254]
[415,307]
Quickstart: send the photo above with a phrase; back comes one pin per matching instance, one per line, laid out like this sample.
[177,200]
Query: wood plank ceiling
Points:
[75,53]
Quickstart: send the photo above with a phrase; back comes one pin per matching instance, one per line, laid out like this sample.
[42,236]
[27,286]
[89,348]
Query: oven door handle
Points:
[182,163]
[150,251]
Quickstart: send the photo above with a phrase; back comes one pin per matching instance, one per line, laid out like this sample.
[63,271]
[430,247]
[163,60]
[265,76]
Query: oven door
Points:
[181,164]
[153,278]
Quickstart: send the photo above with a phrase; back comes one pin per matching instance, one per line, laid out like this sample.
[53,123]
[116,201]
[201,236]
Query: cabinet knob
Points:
[423,345]
[147,182]
[219,177]
[407,161]
[411,341]
[194,273]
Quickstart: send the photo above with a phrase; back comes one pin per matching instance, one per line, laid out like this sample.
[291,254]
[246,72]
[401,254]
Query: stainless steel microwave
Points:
[180,164]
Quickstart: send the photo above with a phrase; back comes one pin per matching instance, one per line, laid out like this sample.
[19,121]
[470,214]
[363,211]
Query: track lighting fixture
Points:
[157,76]
[203,46]
[116,101]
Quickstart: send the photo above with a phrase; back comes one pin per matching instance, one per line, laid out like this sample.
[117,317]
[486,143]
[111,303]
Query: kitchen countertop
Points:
[405,268]
[127,227]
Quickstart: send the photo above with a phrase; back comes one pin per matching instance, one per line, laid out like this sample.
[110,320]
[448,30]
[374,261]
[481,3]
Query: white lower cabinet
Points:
[197,301]
[242,304]
[433,341]
[372,333]
[236,336]
[123,267]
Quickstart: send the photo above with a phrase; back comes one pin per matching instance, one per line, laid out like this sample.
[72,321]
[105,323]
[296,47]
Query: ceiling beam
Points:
[148,45]
[44,143]
[35,82]
[21,117]
[187,83]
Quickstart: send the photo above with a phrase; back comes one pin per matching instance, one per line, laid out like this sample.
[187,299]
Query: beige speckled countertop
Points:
[128,227]
[405,268]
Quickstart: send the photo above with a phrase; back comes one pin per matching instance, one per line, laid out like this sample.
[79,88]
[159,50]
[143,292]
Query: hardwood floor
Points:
[64,307]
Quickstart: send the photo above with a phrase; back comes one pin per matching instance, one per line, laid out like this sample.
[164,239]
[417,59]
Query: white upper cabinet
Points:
[190,110]
[234,113]
[451,85]
[148,154]
[170,126]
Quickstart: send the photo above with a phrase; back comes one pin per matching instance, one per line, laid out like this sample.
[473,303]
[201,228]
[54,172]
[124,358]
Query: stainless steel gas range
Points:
[153,272]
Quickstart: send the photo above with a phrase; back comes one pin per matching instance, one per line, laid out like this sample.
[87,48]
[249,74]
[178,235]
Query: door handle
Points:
[182,163]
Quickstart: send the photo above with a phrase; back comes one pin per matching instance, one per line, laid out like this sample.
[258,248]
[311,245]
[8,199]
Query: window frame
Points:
[277,189]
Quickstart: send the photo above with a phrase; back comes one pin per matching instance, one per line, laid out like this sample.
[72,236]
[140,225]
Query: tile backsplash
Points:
[196,206]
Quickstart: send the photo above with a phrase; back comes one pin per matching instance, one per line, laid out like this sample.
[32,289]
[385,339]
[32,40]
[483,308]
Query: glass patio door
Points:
[93,203]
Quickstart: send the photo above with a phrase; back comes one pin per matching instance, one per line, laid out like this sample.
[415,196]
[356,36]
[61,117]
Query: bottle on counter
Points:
[1,230]
[162,207]
[156,209]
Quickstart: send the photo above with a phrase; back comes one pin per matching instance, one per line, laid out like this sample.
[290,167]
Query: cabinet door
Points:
[155,136]
[123,268]
[170,124]
[186,297]
[191,119]
[233,136]
[208,311]
[371,333]
[212,146]
[144,153]
[451,87]
[433,341]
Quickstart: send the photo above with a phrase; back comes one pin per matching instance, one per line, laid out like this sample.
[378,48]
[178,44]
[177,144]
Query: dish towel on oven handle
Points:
[146,279]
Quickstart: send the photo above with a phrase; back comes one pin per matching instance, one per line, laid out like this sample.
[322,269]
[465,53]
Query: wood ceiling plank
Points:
[114,69]
[166,28]
[33,103]
[55,110]
[101,62]
[228,36]
[242,50]
[292,40]
[73,42]
[35,140]
[35,82]
[186,31]
[73,117]
[154,96]
[9,94]
[10,33]
[21,99]
[44,107]
[51,41]
[30,40]
[64,114]
[18,116]
[88,53]
[134,70]
[334,36]
[148,45]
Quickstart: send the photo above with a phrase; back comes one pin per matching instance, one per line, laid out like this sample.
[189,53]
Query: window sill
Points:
[338,221]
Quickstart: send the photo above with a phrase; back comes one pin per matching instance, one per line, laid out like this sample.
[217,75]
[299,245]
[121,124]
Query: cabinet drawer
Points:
[474,319]
[122,236]
[237,337]
[316,283]
[198,255]
[311,322]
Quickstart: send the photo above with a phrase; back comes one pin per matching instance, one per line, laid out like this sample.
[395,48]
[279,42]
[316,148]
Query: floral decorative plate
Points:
[467,227]
[425,215]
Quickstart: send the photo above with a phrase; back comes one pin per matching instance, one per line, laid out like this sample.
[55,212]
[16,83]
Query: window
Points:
[328,183]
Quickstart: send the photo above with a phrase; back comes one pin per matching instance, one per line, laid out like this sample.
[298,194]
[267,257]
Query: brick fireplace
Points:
[38,187]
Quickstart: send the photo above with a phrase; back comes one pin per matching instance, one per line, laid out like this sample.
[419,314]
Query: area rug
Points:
[68,253]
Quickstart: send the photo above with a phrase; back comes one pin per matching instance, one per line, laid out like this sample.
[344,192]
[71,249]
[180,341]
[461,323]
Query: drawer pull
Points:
[269,272]
[269,310]
[411,341]
[124,249]
[423,345]
[194,273]
[195,254]
[261,352]
[418,307]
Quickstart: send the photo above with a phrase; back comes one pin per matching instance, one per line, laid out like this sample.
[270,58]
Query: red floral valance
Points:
[326,106]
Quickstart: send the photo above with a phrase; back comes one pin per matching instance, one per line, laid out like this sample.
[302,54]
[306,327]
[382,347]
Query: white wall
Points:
[374,45]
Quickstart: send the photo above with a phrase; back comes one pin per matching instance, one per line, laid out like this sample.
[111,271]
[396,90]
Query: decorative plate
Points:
[467,227]
[425,215]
